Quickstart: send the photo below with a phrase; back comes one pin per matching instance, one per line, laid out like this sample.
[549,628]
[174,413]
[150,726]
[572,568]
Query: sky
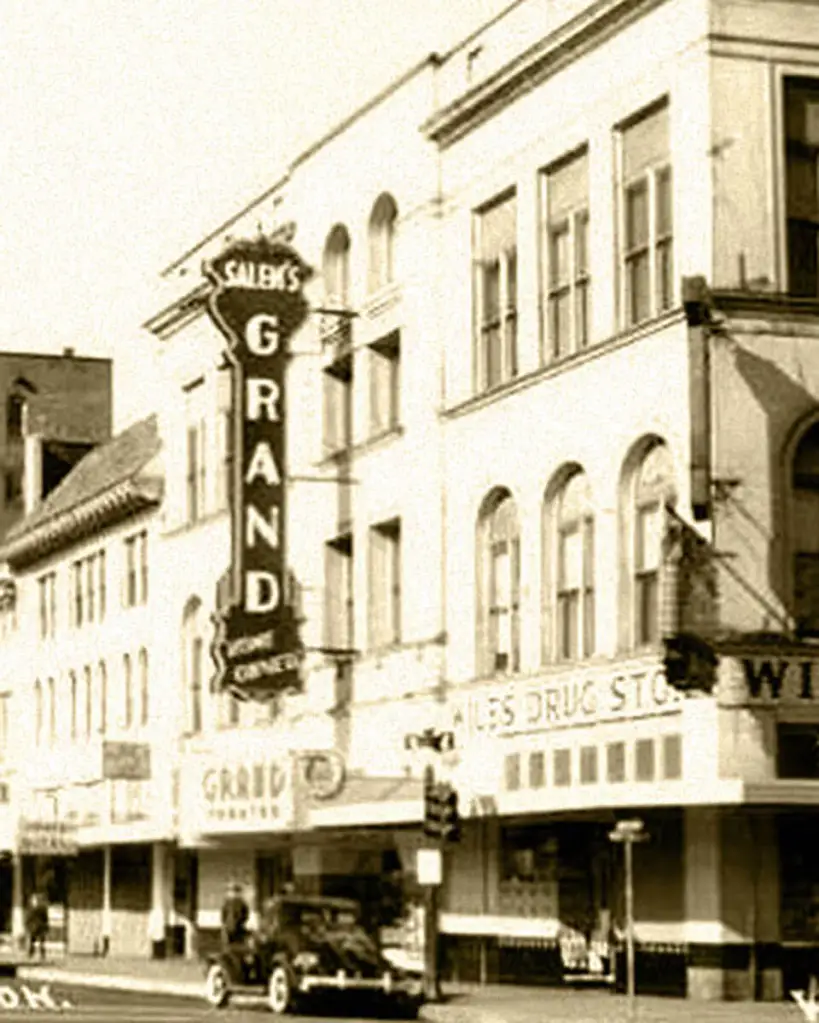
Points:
[131,128]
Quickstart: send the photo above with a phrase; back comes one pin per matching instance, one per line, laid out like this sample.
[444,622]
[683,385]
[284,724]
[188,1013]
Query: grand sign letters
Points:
[258,302]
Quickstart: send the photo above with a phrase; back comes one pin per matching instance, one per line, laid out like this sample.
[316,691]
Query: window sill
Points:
[375,440]
[545,371]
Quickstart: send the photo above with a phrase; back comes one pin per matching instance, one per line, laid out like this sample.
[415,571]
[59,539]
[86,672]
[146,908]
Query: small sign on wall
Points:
[429,866]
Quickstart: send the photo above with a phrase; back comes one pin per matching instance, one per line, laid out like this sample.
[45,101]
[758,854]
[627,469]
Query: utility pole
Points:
[627,832]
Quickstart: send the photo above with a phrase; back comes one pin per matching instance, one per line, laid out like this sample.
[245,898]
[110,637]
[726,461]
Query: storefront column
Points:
[731,904]
[18,922]
[160,902]
[106,899]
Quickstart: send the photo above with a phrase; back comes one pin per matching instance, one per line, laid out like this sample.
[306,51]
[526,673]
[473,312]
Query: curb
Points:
[113,982]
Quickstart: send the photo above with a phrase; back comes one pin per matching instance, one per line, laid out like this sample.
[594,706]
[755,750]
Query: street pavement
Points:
[135,991]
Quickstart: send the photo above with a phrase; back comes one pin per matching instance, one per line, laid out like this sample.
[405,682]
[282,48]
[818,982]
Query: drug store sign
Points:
[627,690]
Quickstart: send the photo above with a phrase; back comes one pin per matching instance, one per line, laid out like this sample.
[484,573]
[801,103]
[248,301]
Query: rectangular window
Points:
[588,765]
[648,556]
[338,593]
[566,284]
[797,751]
[47,594]
[616,761]
[130,572]
[672,757]
[385,384]
[90,587]
[102,582]
[135,584]
[385,584]
[647,216]
[338,406]
[193,475]
[142,541]
[562,772]
[197,649]
[644,759]
[504,605]
[511,771]
[203,463]
[537,770]
[495,297]
[802,185]
[575,590]
[226,495]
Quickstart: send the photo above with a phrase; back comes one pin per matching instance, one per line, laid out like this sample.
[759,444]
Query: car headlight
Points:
[306,961]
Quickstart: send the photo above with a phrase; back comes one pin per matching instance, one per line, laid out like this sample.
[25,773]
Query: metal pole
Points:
[432,987]
[629,925]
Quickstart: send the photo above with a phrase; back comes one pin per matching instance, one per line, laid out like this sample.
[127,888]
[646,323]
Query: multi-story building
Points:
[62,403]
[92,751]
[550,467]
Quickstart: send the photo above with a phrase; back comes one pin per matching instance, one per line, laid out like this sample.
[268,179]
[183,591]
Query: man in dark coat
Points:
[37,924]
[235,915]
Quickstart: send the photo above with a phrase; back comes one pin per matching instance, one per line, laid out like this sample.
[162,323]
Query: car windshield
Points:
[317,918]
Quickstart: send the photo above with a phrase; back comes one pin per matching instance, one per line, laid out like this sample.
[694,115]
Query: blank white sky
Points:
[130,128]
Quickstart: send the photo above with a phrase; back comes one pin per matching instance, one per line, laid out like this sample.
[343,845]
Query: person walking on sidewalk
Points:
[37,925]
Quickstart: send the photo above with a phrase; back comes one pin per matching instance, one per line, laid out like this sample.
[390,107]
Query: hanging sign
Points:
[258,302]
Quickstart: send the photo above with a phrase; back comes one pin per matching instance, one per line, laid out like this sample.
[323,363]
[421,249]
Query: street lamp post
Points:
[627,832]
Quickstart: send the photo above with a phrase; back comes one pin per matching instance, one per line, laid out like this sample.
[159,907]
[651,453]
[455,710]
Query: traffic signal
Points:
[441,819]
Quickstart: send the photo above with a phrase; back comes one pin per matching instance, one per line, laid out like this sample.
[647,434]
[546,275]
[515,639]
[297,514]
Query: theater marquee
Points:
[258,302]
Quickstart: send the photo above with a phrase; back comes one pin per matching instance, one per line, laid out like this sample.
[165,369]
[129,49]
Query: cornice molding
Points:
[104,510]
[173,318]
[565,44]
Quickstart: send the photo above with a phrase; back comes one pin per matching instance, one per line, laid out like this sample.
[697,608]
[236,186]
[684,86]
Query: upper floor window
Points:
[498,605]
[652,490]
[385,384]
[381,237]
[47,595]
[52,712]
[127,692]
[196,472]
[193,649]
[225,420]
[495,293]
[337,381]
[74,698]
[566,283]
[569,569]
[338,593]
[38,712]
[336,268]
[385,583]
[802,184]
[103,697]
[89,701]
[144,691]
[136,569]
[646,216]
[87,593]
[15,416]
[804,531]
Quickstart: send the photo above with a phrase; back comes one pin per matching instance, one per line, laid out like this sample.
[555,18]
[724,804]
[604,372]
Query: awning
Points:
[367,800]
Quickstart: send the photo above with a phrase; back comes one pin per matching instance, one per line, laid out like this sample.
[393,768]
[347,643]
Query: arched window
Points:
[89,701]
[144,695]
[498,604]
[568,577]
[127,691]
[805,533]
[103,694]
[74,696]
[193,666]
[336,267]
[381,238]
[38,712]
[652,489]
[52,712]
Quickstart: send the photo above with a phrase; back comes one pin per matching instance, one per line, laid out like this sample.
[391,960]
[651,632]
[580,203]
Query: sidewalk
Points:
[461,1004]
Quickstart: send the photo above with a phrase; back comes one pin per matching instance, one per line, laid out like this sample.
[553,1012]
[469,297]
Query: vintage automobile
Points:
[306,946]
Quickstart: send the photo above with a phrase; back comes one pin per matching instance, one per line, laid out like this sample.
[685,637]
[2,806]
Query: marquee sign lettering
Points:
[258,303]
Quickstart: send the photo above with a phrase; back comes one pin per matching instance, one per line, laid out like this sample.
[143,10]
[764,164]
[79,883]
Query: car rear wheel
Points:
[217,986]
[280,990]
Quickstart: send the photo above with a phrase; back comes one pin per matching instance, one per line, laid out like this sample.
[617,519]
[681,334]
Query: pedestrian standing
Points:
[37,925]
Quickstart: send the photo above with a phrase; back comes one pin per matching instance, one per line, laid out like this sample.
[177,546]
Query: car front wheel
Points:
[216,986]
[280,990]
